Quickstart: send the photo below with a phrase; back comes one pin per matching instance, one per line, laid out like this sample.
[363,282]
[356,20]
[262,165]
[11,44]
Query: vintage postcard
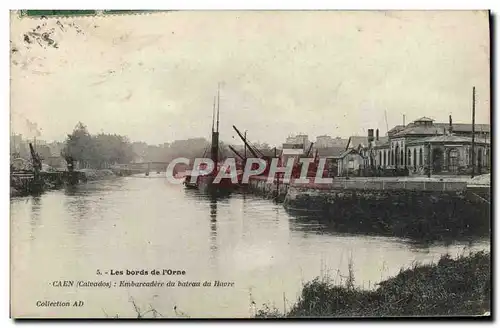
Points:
[250,164]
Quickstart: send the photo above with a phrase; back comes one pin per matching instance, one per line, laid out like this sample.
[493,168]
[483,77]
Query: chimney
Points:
[451,125]
[376,135]
[370,135]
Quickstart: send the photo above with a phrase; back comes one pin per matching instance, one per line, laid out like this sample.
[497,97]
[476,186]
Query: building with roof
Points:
[299,139]
[444,147]
[359,152]
[326,141]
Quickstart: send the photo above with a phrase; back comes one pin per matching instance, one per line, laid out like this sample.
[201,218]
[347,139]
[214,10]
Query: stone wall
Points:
[398,212]
[260,186]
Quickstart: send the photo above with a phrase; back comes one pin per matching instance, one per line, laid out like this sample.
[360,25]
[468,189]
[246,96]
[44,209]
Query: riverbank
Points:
[95,175]
[24,183]
[460,286]
[427,209]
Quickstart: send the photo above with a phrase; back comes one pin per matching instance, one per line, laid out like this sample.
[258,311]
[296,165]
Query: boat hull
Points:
[205,183]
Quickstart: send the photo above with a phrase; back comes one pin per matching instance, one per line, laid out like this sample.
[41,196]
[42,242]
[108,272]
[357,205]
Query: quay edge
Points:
[397,206]
[23,184]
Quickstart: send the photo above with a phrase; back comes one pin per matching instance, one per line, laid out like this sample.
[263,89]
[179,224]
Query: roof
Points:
[266,152]
[355,141]
[448,139]
[339,142]
[395,129]
[466,127]
[287,151]
[381,141]
[439,129]
[421,130]
[288,145]
[424,119]
[346,152]
[331,151]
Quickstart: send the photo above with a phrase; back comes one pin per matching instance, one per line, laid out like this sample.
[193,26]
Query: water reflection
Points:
[236,237]
[36,204]
[79,206]
[213,225]
[419,232]
[212,198]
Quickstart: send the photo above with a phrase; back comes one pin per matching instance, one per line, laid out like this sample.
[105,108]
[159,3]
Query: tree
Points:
[78,144]
[97,151]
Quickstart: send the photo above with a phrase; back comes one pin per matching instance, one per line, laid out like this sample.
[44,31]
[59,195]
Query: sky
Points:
[153,77]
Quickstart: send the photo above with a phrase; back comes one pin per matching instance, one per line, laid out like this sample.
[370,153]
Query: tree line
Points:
[96,151]
[102,150]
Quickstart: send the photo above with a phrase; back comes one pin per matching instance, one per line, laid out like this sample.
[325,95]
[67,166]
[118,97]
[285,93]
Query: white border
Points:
[186,4]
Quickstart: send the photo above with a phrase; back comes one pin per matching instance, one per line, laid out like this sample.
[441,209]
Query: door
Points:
[453,160]
[437,160]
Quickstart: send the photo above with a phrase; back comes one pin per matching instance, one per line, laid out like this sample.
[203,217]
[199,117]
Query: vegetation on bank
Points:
[97,151]
[101,150]
[460,286]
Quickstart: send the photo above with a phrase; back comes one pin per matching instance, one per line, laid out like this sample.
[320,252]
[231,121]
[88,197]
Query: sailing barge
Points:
[206,181]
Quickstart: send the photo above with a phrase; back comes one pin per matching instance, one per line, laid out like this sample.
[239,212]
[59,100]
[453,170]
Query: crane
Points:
[236,152]
[309,150]
[252,150]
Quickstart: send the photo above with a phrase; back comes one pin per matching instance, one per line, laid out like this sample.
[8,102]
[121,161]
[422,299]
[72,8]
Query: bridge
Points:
[145,167]
[142,167]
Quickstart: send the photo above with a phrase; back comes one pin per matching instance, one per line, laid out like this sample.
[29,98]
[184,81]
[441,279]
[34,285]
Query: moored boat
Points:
[206,181]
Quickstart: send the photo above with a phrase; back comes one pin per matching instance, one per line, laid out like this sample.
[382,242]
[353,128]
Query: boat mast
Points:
[213,116]
[473,128]
[218,104]
[215,137]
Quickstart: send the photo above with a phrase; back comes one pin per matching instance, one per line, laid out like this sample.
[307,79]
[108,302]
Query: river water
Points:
[146,223]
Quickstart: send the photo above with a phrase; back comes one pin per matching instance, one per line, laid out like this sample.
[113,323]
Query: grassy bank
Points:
[94,175]
[458,286]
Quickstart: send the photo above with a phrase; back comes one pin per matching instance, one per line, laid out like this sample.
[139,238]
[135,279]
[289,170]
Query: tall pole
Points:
[404,119]
[218,103]
[245,144]
[213,116]
[386,124]
[13,143]
[214,152]
[473,128]
[429,160]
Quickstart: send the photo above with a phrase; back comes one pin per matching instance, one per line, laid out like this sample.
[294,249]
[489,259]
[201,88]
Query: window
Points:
[414,157]
[453,160]
[402,157]
[397,157]
[420,158]
[480,157]
[408,160]
[385,158]
[379,158]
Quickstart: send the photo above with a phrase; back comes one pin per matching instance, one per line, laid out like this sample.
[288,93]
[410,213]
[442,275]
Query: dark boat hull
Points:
[204,183]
